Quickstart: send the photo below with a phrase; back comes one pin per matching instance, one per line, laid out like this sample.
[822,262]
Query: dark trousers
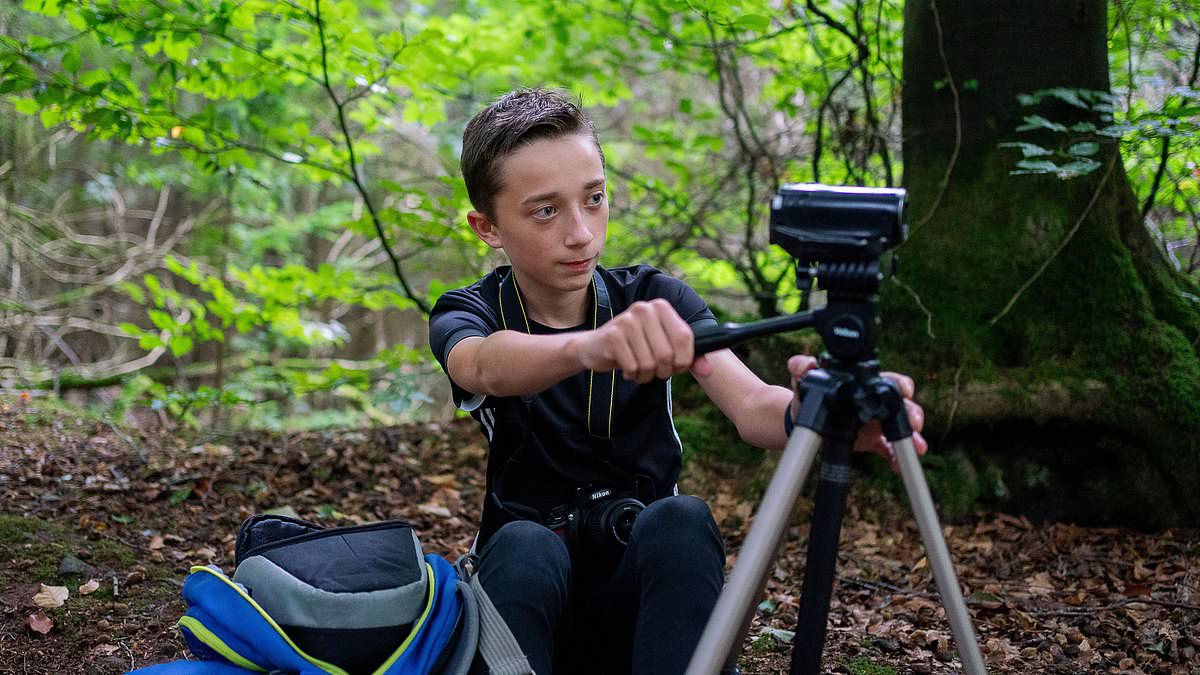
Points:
[642,613]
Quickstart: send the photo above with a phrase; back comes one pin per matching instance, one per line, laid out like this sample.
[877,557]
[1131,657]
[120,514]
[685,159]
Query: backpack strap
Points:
[497,645]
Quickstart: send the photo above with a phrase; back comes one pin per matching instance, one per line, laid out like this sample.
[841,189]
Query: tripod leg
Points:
[731,617]
[939,556]
[821,566]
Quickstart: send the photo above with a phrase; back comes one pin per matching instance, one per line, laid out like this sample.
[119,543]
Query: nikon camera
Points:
[598,520]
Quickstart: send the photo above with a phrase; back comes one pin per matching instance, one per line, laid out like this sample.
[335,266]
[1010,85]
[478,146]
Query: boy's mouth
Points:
[578,265]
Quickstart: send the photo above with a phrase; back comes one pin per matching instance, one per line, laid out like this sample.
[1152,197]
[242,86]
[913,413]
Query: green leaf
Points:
[753,22]
[1080,167]
[70,59]
[26,106]
[161,319]
[1029,166]
[1029,149]
[176,50]
[47,7]
[179,496]
[1085,149]
[179,344]
[1038,122]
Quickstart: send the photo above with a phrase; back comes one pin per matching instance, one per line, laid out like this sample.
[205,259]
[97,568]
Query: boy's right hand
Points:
[647,340]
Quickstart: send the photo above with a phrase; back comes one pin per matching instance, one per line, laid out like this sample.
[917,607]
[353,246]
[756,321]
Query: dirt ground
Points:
[84,501]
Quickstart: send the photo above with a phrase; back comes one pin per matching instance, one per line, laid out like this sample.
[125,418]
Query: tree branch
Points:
[354,173]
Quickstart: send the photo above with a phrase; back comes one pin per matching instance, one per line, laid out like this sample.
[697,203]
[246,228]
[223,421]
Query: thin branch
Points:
[941,45]
[354,174]
[954,404]
[921,305]
[1165,151]
[1061,245]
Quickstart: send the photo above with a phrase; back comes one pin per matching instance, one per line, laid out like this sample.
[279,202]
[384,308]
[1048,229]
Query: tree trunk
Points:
[1034,281]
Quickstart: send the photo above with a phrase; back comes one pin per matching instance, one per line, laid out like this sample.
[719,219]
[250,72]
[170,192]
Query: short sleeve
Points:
[457,315]
[682,297]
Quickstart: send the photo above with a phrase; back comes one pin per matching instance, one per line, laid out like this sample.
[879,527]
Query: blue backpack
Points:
[306,600]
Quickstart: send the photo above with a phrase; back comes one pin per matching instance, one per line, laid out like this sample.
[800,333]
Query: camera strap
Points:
[601,386]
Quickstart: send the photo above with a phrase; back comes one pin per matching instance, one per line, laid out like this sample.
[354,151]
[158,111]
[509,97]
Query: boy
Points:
[532,352]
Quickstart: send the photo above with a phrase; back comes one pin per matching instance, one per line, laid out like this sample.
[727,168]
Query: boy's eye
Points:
[596,198]
[545,212]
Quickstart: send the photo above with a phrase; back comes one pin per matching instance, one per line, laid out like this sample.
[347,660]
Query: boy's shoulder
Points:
[628,282]
[479,294]
[645,282]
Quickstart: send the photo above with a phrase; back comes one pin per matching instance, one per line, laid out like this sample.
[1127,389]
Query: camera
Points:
[836,235]
[824,226]
[815,222]
[597,519]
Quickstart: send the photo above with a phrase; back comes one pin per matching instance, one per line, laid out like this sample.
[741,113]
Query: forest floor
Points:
[81,500]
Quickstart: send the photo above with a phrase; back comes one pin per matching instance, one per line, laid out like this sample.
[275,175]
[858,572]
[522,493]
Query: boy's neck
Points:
[551,307]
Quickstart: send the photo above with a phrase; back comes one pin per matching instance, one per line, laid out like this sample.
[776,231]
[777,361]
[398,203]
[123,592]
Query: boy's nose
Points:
[578,232]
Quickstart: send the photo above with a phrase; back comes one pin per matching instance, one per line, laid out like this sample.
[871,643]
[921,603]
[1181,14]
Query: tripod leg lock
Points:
[895,414]
[815,392]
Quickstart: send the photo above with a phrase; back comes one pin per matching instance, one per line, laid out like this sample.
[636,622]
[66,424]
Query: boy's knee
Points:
[683,513]
[528,554]
[678,523]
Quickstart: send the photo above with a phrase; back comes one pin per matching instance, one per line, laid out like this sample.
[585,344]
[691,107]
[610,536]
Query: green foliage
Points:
[1154,111]
[318,141]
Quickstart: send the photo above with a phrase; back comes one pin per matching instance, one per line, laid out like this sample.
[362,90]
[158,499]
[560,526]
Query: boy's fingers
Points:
[683,340]
[624,356]
[643,356]
[800,364]
[905,383]
[916,414]
[702,367]
[662,349]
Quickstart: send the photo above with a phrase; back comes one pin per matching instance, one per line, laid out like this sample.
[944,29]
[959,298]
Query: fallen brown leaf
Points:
[39,623]
[51,596]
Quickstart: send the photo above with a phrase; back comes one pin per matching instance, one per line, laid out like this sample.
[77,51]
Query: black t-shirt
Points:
[540,450]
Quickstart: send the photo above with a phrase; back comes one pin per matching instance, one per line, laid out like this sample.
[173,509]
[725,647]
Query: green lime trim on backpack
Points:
[305,600]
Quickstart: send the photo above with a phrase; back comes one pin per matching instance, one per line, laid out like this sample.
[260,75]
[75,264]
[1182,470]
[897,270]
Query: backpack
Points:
[306,600]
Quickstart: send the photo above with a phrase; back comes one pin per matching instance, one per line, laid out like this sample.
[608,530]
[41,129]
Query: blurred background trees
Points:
[237,213]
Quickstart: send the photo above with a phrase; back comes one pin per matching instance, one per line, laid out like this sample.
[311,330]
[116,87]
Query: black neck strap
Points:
[601,386]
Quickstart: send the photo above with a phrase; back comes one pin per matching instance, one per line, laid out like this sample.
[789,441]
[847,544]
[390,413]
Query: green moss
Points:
[1100,310]
[17,529]
[113,553]
[35,540]
[864,666]
[42,411]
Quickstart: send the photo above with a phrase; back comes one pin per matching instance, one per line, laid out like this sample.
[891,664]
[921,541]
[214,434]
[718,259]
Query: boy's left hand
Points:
[870,437]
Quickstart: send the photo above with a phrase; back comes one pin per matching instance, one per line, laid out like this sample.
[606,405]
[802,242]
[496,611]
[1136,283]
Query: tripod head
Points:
[836,235]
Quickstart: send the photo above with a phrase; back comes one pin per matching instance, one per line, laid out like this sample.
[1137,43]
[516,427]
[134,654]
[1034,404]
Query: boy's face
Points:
[551,215]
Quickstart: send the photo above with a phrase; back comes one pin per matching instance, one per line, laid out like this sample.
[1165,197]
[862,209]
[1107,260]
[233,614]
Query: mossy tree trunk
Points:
[1036,304]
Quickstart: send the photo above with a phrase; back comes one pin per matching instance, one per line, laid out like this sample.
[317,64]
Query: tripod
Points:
[838,398]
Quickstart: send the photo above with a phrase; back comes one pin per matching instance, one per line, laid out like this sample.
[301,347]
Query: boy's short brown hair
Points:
[515,119]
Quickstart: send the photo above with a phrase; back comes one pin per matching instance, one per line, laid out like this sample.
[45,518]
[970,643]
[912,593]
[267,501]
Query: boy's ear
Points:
[484,228]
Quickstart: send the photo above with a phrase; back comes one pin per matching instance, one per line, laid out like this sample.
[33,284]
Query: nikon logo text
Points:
[841,331]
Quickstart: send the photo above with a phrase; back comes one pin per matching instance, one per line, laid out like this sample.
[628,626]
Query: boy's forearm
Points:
[761,423]
[755,407]
[509,363]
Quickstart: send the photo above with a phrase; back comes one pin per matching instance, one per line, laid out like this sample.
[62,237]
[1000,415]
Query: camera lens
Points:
[610,524]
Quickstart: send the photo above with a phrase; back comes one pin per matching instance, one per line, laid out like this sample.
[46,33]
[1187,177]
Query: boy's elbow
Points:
[754,437]
[493,383]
